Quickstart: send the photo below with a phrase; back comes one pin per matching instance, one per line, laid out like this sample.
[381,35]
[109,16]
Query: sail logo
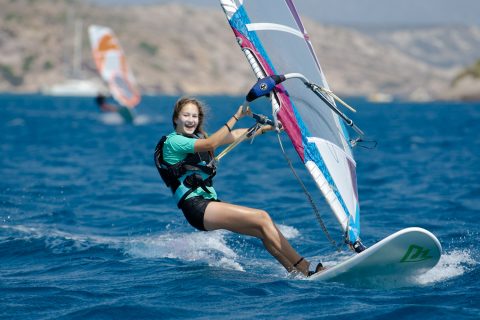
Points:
[416,253]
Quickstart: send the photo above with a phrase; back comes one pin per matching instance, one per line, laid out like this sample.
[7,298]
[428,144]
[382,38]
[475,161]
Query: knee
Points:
[265,222]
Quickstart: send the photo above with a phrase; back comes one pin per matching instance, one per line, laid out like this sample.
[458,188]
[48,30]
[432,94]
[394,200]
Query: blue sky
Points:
[371,12]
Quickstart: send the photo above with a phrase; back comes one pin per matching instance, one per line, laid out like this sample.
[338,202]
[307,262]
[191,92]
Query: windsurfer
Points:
[103,105]
[182,159]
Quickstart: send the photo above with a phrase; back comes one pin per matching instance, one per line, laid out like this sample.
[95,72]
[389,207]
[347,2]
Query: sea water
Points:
[89,231]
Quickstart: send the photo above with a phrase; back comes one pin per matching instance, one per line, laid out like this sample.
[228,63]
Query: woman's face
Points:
[187,120]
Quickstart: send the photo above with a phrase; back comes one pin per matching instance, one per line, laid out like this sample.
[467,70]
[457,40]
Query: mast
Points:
[77,49]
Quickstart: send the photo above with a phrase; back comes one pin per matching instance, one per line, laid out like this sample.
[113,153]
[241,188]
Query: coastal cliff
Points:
[175,49]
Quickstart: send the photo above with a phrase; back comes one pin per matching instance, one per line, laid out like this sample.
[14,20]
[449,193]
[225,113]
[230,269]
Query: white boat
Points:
[75,85]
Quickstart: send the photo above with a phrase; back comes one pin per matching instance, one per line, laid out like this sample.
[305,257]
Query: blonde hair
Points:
[201,112]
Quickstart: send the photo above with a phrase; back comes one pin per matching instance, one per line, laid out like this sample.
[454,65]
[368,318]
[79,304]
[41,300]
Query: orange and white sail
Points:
[112,65]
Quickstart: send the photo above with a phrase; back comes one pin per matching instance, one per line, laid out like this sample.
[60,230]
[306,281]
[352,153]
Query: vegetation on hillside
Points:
[9,76]
[472,71]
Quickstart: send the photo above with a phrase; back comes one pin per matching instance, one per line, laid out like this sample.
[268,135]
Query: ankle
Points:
[302,265]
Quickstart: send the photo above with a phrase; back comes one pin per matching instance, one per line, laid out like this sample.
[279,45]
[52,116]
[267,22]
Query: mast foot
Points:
[357,246]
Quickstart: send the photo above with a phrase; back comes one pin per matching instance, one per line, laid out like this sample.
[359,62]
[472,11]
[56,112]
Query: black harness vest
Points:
[171,174]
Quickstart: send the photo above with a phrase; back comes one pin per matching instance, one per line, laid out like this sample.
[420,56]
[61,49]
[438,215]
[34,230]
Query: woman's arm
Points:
[224,135]
[237,133]
[265,129]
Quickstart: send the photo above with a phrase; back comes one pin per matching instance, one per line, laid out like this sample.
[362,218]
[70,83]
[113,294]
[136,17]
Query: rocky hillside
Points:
[175,49]
[466,84]
[442,46]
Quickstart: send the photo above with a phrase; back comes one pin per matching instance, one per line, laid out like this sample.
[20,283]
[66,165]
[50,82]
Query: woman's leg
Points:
[257,223]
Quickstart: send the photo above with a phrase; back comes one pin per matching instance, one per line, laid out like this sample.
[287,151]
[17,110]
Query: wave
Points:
[220,249]
[215,248]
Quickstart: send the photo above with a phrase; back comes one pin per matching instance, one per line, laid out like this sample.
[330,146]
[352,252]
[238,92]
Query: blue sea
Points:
[89,231]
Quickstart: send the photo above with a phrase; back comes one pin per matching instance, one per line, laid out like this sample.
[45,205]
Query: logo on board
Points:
[415,254]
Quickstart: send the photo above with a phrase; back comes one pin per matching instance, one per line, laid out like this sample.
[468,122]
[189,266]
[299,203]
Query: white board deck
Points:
[406,253]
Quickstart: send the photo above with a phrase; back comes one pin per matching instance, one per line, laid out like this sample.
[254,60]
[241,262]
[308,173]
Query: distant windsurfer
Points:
[183,159]
[103,105]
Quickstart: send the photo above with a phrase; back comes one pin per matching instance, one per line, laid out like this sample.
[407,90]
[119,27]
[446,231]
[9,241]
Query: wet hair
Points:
[201,113]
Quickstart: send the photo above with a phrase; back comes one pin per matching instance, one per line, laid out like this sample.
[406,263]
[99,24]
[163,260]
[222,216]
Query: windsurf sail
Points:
[275,42]
[112,65]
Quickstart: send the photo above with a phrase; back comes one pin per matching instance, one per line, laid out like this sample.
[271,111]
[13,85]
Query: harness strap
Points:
[206,169]
[186,194]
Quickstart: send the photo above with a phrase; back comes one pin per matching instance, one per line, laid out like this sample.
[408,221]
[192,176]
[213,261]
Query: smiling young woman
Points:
[184,161]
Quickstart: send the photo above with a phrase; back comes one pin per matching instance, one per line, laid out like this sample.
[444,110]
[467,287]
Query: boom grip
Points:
[264,86]
[260,118]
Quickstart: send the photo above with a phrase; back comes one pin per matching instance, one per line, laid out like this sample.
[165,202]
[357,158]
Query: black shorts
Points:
[194,210]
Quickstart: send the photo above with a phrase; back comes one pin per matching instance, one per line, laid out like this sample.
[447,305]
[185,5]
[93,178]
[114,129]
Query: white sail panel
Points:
[339,164]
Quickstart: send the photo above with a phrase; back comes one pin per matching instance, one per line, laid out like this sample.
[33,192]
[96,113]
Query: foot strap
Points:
[317,269]
[298,262]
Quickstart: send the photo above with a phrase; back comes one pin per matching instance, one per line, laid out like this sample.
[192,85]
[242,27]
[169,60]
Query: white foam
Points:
[288,231]
[208,247]
[111,118]
[141,120]
[114,119]
[451,265]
